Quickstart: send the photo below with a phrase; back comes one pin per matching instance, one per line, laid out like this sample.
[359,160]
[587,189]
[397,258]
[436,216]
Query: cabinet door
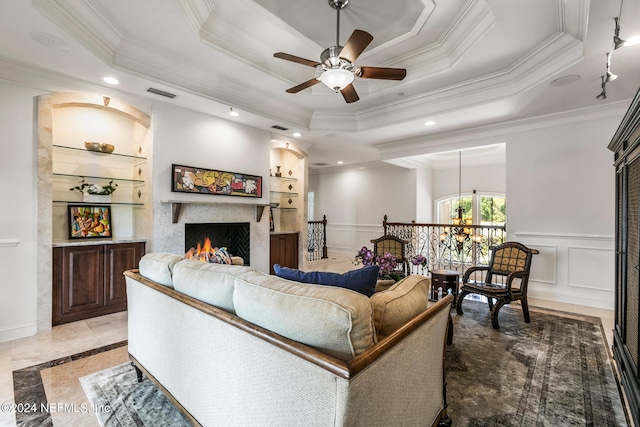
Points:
[290,255]
[77,281]
[283,250]
[118,259]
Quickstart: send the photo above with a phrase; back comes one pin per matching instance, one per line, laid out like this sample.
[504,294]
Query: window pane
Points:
[448,209]
[494,210]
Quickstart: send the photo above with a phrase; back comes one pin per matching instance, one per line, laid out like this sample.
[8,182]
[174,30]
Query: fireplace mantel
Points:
[176,207]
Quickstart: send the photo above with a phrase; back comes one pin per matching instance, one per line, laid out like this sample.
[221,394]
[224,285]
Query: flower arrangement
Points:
[386,263]
[86,188]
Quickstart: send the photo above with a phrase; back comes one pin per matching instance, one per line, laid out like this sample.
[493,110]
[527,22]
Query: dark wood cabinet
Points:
[283,250]
[626,334]
[88,280]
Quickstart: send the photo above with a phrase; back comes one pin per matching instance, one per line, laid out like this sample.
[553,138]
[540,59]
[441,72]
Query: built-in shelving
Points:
[99,153]
[135,181]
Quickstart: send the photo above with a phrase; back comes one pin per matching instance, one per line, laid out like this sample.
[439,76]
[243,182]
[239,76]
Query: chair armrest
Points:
[517,275]
[465,276]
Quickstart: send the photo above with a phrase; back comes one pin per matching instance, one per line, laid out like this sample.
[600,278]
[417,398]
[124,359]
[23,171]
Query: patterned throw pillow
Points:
[220,256]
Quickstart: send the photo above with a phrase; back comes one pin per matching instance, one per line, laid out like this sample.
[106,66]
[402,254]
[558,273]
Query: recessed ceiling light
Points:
[233,113]
[429,123]
[340,162]
[111,80]
[297,134]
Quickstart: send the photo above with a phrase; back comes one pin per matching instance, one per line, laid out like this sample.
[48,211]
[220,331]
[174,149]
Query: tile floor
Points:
[61,383]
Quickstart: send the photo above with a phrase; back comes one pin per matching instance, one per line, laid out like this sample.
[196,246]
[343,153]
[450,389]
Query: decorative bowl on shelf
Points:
[99,147]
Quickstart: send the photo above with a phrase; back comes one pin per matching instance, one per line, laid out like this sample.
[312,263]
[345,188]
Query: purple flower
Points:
[419,260]
[366,255]
[386,263]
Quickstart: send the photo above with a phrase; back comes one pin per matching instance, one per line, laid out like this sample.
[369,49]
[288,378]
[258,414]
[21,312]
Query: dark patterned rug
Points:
[121,401]
[554,371]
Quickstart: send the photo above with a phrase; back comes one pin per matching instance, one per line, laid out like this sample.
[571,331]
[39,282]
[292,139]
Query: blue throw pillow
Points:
[362,280]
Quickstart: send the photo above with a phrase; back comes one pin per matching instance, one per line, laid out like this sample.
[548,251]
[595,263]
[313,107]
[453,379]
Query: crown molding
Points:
[95,31]
[495,133]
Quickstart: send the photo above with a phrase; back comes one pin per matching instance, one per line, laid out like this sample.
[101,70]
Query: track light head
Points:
[603,94]
[617,41]
[610,76]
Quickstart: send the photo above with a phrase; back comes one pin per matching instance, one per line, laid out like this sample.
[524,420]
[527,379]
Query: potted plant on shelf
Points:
[94,193]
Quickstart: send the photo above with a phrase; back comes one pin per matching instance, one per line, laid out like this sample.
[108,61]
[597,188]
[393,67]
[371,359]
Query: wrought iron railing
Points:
[446,246]
[317,239]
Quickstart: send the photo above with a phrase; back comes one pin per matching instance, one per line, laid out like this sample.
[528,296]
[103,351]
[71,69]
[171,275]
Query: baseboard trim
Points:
[13,333]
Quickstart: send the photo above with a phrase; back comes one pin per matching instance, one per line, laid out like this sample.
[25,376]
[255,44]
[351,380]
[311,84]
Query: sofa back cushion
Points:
[400,303]
[208,282]
[334,320]
[159,267]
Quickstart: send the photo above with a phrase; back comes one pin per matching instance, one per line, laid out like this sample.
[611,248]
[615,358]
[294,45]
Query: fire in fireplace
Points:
[203,237]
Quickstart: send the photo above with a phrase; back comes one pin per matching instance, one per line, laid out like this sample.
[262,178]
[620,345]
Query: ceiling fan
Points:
[337,63]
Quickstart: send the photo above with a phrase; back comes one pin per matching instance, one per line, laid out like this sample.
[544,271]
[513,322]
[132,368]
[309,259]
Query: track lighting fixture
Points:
[610,76]
[603,94]
[617,41]
[233,113]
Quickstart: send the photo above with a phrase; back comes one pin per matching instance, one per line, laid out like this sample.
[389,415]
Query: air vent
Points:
[321,164]
[161,93]
[278,127]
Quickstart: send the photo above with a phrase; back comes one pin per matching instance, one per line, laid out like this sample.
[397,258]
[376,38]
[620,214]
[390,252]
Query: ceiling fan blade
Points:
[303,86]
[349,94]
[356,44]
[297,59]
[382,73]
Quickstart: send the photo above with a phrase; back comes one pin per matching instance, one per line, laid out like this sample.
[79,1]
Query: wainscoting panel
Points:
[591,268]
[348,239]
[544,266]
[571,268]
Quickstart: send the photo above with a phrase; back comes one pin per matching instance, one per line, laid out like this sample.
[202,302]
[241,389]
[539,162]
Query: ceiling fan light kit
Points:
[337,63]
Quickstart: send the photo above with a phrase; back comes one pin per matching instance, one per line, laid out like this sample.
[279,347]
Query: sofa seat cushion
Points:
[400,303]
[159,267]
[361,280]
[208,282]
[336,321]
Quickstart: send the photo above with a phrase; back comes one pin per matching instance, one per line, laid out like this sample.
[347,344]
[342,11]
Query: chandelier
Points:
[461,230]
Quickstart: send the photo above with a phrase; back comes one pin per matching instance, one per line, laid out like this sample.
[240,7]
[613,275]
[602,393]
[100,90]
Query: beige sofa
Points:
[231,346]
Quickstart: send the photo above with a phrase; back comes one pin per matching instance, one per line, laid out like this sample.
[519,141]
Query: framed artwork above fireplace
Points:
[189,179]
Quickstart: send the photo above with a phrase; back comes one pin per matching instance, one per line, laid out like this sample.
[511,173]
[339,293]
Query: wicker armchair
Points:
[506,279]
[396,247]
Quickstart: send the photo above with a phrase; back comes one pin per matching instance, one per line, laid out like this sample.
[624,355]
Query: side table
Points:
[445,279]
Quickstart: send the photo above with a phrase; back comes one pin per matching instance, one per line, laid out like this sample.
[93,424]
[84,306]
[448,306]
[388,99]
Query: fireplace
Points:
[235,236]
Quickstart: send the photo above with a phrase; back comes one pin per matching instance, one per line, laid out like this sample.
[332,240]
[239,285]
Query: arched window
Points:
[483,209]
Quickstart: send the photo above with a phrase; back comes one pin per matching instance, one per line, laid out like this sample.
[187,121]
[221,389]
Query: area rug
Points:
[554,371]
[121,401]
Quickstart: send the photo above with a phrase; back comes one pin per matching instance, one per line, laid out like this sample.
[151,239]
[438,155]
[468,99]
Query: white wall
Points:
[18,213]
[189,138]
[356,201]
[489,178]
[424,195]
[560,200]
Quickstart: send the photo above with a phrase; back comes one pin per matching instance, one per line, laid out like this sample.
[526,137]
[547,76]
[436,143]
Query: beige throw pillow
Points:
[400,303]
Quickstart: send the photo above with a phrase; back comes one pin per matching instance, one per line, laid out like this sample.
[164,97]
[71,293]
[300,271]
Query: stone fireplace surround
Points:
[170,237]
